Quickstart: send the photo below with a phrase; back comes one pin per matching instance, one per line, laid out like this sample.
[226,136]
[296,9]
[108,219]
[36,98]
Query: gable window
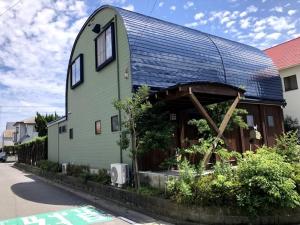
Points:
[290,83]
[105,47]
[114,123]
[77,71]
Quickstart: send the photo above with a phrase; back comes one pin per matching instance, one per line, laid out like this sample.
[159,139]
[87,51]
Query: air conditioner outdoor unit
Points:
[64,167]
[118,173]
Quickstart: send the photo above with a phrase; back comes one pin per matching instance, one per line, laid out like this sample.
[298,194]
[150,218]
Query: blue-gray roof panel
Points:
[165,54]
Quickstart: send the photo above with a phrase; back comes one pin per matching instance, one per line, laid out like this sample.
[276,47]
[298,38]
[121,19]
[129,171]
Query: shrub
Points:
[291,124]
[287,146]
[181,189]
[101,177]
[77,170]
[48,166]
[266,181]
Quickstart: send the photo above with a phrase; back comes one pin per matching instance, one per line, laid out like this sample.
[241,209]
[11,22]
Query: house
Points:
[286,57]
[24,130]
[8,135]
[116,51]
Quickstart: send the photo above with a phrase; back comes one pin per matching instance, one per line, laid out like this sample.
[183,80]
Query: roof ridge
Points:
[282,43]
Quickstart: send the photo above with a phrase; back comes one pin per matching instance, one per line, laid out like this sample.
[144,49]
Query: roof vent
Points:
[96,28]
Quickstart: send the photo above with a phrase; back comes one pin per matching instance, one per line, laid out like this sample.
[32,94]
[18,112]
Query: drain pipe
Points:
[118,76]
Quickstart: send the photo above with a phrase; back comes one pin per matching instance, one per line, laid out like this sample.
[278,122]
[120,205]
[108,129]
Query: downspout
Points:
[57,142]
[118,76]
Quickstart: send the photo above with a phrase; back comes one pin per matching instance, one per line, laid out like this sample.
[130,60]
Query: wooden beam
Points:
[262,114]
[203,112]
[222,128]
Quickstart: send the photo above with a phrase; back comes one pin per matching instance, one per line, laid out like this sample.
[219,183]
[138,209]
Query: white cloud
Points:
[35,41]
[173,7]
[199,16]
[291,32]
[161,4]
[251,9]
[277,9]
[112,2]
[273,36]
[259,35]
[245,23]
[188,4]
[292,12]
[243,14]
[229,24]
[129,7]
[193,24]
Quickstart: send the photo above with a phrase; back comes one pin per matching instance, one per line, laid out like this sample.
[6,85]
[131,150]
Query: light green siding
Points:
[53,143]
[92,100]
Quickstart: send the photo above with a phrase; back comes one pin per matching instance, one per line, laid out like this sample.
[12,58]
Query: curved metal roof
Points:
[165,54]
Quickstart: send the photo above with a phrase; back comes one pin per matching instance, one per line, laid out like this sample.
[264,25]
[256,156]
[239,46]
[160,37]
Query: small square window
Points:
[77,71]
[270,121]
[115,123]
[71,133]
[250,121]
[59,130]
[98,127]
[290,83]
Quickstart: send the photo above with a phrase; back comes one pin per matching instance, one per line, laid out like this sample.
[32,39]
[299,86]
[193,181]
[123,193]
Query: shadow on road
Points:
[37,191]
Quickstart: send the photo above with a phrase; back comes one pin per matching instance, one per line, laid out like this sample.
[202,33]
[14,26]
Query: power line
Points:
[10,7]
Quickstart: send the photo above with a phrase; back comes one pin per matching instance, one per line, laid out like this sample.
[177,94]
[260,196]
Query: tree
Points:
[291,124]
[148,126]
[41,122]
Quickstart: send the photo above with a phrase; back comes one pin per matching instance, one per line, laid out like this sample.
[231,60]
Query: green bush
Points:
[181,189]
[101,177]
[78,170]
[266,181]
[288,147]
[48,166]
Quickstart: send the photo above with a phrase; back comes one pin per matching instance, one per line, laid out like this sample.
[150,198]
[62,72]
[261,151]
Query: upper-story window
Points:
[290,83]
[77,71]
[105,47]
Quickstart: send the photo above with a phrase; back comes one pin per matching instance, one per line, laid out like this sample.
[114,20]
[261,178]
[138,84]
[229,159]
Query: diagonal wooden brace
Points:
[222,128]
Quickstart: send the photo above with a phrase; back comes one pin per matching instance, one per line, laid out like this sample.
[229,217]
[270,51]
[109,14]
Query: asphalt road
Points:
[33,201]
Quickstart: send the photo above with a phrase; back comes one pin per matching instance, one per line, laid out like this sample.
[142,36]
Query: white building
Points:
[8,135]
[286,57]
[25,130]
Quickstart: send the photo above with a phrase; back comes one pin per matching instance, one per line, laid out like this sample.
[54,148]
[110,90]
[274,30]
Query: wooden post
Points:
[242,137]
[263,123]
[222,128]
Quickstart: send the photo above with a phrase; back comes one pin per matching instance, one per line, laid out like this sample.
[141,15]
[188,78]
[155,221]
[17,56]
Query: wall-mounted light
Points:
[126,73]
[96,28]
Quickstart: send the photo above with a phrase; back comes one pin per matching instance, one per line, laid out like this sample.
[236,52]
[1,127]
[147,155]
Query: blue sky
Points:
[36,37]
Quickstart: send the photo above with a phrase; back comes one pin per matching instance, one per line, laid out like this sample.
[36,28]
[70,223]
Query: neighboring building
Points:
[286,57]
[8,134]
[116,51]
[24,131]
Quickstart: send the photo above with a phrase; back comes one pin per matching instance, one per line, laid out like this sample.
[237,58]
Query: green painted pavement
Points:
[77,216]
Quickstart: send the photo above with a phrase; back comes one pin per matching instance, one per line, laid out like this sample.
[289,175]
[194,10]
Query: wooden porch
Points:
[188,101]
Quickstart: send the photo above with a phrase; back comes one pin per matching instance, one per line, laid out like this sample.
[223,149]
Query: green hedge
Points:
[30,152]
